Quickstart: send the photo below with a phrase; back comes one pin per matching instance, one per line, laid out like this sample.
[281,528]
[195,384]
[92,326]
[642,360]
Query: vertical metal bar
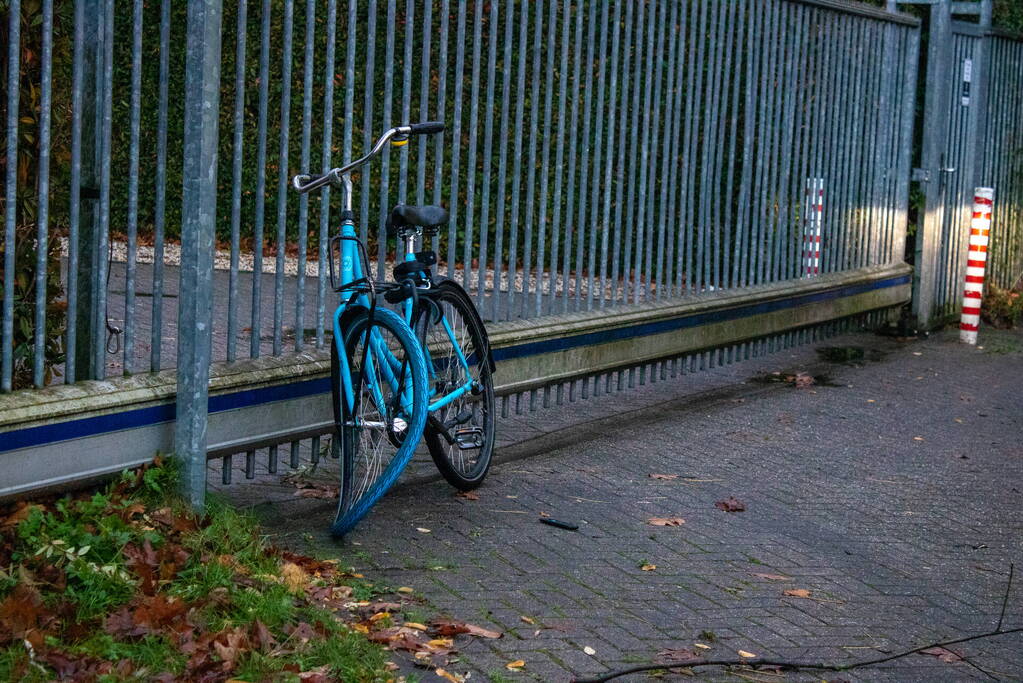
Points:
[502,157]
[406,94]
[648,154]
[470,166]
[736,85]
[534,134]
[629,267]
[258,224]
[424,100]
[282,177]
[456,135]
[133,189]
[43,207]
[559,159]
[385,163]
[520,100]
[666,150]
[102,263]
[572,160]
[74,209]
[488,150]
[325,159]
[306,144]
[350,28]
[587,142]
[367,117]
[609,134]
[541,223]
[676,228]
[744,243]
[595,225]
[236,178]
[159,217]
[442,107]
[785,186]
[621,169]
[198,214]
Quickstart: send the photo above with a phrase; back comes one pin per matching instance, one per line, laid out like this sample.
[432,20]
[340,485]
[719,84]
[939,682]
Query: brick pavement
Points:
[893,495]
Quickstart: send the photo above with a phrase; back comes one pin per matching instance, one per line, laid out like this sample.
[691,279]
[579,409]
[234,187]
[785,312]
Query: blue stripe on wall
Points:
[144,417]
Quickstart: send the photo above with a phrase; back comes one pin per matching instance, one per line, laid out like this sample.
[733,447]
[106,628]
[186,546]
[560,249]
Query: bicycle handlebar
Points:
[306,182]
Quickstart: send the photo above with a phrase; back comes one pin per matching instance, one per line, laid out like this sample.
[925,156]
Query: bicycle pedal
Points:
[467,439]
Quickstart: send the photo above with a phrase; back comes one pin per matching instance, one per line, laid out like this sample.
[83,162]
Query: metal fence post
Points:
[89,247]
[935,134]
[198,215]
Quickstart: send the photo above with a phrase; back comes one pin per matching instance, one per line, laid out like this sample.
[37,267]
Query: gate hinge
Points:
[921,175]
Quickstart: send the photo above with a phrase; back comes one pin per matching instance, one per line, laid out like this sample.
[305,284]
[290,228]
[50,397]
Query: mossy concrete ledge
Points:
[61,434]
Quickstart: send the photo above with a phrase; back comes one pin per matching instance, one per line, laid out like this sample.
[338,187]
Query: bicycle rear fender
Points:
[460,291]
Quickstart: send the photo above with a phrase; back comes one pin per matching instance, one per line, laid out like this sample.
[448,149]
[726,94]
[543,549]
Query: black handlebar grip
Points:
[427,127]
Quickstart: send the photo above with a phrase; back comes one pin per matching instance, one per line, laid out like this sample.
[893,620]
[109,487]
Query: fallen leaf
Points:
[666,521]
[447,676]
[378,616]
[682,654]
[943,654]
[515,666]
[422,530]
[294,576]
[918,438]
[406,590]
[798,593]
[747,655]
[414,624]
[589,650]
[648,567]
[468,495]
[450,627]
[702,646]
[527,619]
[772,577]
[730,505]
[665,477]
[802,380]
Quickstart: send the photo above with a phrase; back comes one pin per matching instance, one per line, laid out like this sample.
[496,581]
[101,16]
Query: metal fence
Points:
[592,157]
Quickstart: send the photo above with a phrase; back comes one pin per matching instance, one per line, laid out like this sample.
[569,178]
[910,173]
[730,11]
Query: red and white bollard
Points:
[813,216]
[980,230]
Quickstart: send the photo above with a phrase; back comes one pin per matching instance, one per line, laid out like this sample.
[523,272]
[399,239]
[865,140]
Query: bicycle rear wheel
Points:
[460,434]
[378,436]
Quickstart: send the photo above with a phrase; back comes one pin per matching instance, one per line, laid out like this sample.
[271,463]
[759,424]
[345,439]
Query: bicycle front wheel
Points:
[461,432]
[379,433]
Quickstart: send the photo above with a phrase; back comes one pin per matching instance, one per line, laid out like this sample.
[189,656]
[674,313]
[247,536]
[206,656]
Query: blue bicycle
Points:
[424,369]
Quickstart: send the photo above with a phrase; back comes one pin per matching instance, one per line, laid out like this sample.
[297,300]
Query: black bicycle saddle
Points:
[427,217]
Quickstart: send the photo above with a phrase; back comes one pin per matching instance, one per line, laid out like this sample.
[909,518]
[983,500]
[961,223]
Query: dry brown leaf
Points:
[406,590]
[666,521]
[732,504]
[415,624]
[648,567]
[798,593]
[943,654]
[527,619]
[515,666]
[665,477]
[294,576]
[448,676]
[681,654]
[702,646]
[747,655]
[468,495]
[772,577]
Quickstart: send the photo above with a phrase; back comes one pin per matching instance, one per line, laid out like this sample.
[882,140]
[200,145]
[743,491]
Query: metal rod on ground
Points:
[980,229]
[198,219]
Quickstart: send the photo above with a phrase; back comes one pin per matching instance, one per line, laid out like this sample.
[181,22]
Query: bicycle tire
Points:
[463,473]
[359,493]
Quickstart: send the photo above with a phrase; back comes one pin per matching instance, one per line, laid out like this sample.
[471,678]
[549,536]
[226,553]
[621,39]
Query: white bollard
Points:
[812,222]
[980,230]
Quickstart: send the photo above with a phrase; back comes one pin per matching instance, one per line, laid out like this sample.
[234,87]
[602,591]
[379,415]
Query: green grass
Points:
[125,584]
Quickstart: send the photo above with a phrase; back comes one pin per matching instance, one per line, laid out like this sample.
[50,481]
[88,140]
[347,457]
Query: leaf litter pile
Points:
[125,585]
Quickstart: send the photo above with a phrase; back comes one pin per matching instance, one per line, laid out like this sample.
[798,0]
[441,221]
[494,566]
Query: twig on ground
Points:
[1005,598]
[792,666]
